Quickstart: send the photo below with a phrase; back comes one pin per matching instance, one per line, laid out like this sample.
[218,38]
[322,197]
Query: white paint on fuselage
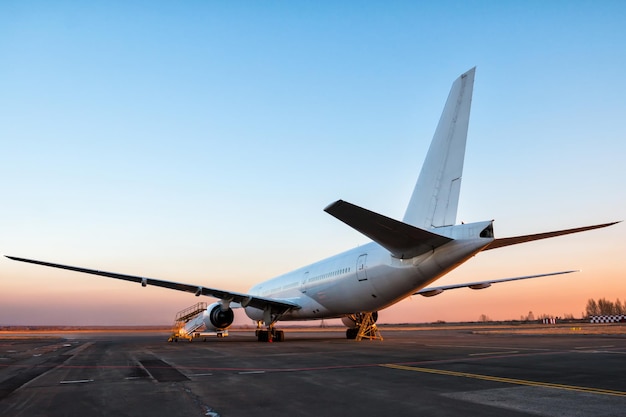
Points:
[343,284]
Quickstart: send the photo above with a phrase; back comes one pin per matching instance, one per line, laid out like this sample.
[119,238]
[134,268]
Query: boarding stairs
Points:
[368,328]
[187,321]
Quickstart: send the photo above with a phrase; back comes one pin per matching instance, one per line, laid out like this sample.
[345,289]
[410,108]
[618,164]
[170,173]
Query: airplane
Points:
[403,258]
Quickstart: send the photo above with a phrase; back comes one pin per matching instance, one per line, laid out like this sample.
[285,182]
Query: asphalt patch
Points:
[162,371]
[27,375]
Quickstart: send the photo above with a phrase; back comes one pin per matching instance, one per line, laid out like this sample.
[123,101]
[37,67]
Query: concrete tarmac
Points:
[429,372]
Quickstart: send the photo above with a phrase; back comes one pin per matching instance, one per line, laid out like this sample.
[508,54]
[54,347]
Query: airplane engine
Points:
[218,318]
[349,321]
[352,320]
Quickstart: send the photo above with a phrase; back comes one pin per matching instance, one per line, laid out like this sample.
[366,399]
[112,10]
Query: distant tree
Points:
[484,318]
[530,316]
[604,307]
[592,308]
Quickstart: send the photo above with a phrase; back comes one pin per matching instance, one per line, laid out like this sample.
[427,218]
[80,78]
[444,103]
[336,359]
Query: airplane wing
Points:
[278,306]
[507,241]
[401,239]
[479,285]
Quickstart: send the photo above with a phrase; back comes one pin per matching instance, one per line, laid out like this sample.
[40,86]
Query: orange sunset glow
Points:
[202,146]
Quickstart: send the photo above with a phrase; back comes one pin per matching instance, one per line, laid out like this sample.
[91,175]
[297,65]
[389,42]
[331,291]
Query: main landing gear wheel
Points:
[366,327]
[272,335]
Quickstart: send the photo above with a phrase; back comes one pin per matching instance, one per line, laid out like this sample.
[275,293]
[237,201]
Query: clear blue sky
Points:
[199,141]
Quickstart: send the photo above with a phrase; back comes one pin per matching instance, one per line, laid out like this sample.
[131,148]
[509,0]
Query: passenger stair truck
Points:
[189,323]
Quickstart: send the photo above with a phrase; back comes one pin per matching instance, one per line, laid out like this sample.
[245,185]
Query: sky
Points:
[200,141]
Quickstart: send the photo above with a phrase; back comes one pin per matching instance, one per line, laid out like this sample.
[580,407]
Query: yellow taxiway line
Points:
[508,380]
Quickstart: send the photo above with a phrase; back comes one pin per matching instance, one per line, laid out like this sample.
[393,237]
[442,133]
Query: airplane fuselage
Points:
[367,278]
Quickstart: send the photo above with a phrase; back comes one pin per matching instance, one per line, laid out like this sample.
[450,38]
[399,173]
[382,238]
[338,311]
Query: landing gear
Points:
[263,335]
[279,336]
[366,327]
[271,335]
[351,333]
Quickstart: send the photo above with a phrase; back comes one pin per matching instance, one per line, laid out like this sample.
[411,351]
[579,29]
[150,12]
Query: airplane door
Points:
[361,268]
[304,280]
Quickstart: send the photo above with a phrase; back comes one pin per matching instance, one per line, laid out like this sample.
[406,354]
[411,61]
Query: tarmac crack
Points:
[208,411]
[162,371]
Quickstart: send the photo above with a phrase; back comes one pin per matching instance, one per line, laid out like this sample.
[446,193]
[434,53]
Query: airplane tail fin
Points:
[436,195]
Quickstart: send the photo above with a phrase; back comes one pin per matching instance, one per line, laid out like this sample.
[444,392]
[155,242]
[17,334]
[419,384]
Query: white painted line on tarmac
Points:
[489,347]
[251,372]
[77,381]
[493,353]
[594,347]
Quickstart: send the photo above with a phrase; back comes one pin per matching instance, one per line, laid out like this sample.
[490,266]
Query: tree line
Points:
[604,307]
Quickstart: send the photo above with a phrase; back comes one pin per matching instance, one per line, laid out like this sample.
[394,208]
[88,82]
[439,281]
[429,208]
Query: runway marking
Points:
[509,380]
[207,374]
[609,352]
[594,347]
[251,372]
[493,353]
[77,381]
[489,347]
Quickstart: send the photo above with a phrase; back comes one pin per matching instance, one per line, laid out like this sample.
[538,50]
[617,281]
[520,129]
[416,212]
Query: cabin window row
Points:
[329,274]
[314,279]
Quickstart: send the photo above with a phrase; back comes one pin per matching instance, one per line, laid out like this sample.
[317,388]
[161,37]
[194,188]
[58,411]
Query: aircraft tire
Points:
[279,336]
[263,336]
[351,333]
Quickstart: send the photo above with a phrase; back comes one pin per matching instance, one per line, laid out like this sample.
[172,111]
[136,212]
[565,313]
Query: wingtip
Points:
[16,258]
[610,224]
[333,205]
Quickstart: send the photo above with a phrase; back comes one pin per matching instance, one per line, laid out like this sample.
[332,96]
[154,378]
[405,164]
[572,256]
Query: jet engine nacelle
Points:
[216,317]
[352,321]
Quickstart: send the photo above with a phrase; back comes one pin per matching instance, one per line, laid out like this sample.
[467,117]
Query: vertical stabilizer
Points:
[436,195]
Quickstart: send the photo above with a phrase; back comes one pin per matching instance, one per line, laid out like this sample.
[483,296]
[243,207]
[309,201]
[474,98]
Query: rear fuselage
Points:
[366,278]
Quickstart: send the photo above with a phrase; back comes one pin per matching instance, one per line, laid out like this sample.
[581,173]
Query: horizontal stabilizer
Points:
[479,285]
[507,241]
[262,303]
[401,239]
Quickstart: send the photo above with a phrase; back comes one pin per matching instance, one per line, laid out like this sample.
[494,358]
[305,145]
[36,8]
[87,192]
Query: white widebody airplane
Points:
[403,258]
